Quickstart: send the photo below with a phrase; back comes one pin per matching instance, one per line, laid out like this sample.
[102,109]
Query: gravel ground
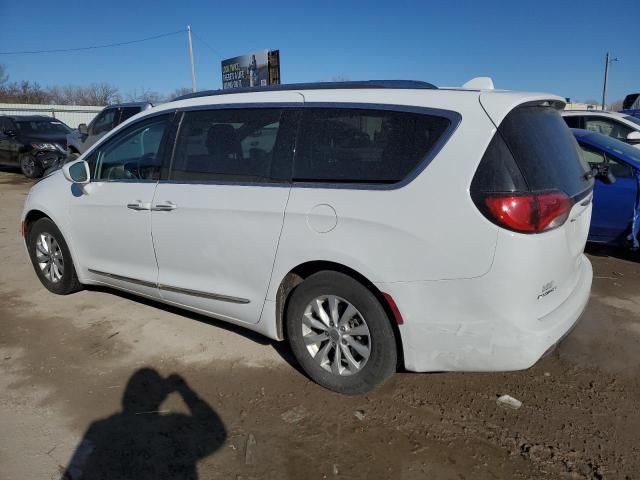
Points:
[154,392]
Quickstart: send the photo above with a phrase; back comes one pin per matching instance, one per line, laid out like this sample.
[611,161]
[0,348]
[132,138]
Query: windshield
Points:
[39,127]
[616,146]
[632,119]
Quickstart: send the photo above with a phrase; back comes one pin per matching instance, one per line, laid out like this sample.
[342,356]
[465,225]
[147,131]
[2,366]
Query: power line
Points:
[206,44]
[93,47]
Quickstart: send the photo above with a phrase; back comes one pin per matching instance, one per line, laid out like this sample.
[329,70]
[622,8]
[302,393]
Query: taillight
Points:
[528,213]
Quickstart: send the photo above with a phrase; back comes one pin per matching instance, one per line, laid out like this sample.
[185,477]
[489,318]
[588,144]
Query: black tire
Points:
[68,281]
[31,167]
[382,360]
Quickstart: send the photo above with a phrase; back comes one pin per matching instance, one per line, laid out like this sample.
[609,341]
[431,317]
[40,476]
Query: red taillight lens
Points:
[531,213]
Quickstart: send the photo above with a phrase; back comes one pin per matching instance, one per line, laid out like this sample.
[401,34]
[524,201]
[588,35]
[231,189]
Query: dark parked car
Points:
[615,219]
[34,143]
[631,105]
[79,141]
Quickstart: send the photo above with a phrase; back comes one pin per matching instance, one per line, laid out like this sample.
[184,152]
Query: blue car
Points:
[616,204]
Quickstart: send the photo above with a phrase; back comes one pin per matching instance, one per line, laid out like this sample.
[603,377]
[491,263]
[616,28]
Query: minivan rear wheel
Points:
[340,333]
[51,258]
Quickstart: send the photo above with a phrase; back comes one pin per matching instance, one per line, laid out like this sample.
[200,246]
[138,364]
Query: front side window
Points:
[594,158]
[608,127]
[598,159]
[619,169]
[363,146]
[104,122]
[227,145]
[134,154]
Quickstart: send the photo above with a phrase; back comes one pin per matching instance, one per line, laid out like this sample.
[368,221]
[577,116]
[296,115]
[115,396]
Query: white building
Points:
[72,115]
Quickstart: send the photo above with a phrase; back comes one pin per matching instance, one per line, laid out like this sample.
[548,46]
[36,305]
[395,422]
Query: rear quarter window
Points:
[363,146]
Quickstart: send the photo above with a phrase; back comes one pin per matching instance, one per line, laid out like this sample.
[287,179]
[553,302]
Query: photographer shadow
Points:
[142,443]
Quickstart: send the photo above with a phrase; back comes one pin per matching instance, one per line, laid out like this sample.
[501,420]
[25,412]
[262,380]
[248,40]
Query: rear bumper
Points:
[458,325]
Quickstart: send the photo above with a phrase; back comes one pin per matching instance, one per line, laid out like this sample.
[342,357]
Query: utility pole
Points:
[606,78]
[193,67]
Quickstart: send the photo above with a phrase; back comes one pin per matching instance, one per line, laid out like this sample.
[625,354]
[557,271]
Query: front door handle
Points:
[139,205]
[164,207]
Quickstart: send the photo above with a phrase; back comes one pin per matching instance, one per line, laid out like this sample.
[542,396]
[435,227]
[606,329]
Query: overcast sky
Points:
[555,46]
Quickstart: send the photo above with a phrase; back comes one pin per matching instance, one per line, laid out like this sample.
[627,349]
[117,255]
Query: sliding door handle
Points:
[139,205]
[164,207]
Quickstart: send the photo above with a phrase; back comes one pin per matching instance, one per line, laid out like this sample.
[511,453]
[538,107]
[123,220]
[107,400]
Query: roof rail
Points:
[393,84]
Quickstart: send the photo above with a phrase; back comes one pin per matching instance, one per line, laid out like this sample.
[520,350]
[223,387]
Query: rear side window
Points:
[227,145]
[363,146]
[127,112]
[544,150]
[573,121]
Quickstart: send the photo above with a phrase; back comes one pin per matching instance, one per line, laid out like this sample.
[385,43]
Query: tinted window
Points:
[608,127]
[232,145]
[545,150]
[105,121]
[36,127]
[619,169]
[370,146]
[133,154]
[128,112]
[572,122]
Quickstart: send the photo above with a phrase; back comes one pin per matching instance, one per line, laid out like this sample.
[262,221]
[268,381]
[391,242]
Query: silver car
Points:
[112,116]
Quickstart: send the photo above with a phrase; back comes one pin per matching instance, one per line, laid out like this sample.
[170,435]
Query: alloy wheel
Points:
[49,257]
[28,165]
[336,335]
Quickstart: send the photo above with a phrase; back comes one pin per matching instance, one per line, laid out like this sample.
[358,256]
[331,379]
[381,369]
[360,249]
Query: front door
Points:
[111,215]
[217,220]
[613,204]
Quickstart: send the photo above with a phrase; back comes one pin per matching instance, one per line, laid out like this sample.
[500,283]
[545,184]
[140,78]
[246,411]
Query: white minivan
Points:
[372,225]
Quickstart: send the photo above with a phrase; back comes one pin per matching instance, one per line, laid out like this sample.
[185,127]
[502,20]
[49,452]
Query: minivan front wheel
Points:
[340,333]
[51,258]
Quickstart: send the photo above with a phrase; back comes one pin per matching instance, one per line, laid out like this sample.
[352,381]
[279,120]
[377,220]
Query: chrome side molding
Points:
[197,293]
[169,288]
[125,279]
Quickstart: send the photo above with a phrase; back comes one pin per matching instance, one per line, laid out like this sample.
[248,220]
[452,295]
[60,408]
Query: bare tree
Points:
[4,76]
[178,92]
[615,106]
[143,95]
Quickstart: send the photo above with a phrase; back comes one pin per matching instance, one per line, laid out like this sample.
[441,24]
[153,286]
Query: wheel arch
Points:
[32,217]
[36,213]
[302,271]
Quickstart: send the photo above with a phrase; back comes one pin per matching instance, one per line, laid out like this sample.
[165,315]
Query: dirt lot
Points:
[66,363]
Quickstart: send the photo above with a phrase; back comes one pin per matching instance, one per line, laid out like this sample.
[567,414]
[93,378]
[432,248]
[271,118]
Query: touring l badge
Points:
[547,288]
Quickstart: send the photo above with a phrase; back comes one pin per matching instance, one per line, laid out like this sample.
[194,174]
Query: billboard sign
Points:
[253,70]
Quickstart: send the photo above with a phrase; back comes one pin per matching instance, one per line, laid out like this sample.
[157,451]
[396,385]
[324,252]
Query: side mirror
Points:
[77,172]
[82,128]
[603,173]
[633,137]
